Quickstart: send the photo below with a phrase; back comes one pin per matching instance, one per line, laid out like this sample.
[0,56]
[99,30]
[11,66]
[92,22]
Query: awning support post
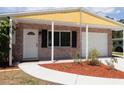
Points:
[87,42]
[81,52]
[52,45]
[10,42]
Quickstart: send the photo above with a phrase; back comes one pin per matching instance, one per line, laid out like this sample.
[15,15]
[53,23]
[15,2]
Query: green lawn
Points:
[117,53]
[18,77]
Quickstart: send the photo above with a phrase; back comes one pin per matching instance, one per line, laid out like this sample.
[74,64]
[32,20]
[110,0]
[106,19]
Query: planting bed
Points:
[85,69]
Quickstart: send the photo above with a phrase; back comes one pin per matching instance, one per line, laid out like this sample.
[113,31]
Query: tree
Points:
[4,40]
[109,17]
[118,34]
[121,20]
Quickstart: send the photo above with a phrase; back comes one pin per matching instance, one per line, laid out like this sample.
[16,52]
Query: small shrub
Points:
[111,63]
[77,58]
[93,58]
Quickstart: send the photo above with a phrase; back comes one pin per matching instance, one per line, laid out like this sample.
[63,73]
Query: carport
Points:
[70,16]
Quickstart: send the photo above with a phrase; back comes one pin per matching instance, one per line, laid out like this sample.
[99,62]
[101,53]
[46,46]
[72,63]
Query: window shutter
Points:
[74,39]
[44,38]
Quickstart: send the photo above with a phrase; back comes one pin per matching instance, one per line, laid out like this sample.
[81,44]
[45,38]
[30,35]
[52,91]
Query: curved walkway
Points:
[67,78]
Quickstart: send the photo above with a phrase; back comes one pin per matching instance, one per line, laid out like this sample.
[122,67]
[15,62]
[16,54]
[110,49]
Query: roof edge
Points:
[40,12]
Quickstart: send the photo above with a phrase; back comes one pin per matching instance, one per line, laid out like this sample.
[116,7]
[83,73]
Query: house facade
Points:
[60,34]
[33,41]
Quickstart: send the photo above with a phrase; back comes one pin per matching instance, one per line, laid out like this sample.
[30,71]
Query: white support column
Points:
[81,42]
[10,42]
[123,43]
[52,46]
[87,42]
[81,52]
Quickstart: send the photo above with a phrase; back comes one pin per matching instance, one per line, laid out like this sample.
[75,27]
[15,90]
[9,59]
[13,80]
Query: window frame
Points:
[59,38]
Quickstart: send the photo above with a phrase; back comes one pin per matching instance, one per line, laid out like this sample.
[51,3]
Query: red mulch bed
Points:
[85,69]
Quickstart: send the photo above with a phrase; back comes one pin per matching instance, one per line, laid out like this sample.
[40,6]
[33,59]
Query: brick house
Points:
[60,34]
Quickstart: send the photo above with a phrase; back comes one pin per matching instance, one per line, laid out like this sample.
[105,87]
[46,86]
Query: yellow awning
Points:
[61,16]
[76,16]
[88,18]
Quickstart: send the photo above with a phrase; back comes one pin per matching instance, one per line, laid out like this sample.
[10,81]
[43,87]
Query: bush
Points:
[111,63]
[93,58]
[77,58]
[4,41]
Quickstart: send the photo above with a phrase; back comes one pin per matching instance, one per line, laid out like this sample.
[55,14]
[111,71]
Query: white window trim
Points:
[59,38]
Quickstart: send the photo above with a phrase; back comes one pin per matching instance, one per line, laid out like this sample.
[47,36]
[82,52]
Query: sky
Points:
[113,12]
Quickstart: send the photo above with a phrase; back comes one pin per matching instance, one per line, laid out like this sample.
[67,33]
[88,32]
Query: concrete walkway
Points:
[37,71]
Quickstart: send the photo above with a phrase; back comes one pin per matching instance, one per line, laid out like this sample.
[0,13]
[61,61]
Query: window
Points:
[30,33]
[56,39]
[65,38]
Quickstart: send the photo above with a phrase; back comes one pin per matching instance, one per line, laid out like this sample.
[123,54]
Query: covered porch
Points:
[79,18]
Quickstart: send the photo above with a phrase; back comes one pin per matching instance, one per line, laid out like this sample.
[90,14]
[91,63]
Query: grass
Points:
[18,77]
[117,53]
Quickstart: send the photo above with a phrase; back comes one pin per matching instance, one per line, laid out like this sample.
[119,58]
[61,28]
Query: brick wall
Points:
[60,52]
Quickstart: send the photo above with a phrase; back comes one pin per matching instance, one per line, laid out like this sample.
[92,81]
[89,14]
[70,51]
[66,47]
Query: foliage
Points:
[4,40]
[112,62]
[93,58]
[77,58]
[109,17]
[121,20]
[119,33]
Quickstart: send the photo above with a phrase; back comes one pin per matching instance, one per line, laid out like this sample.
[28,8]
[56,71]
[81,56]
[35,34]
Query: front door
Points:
[30,44]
